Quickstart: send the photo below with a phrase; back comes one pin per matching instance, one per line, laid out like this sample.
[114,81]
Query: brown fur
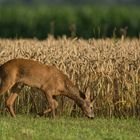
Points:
[48,78]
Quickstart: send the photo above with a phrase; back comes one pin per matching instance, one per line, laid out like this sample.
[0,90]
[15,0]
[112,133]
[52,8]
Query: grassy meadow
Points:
[68,128]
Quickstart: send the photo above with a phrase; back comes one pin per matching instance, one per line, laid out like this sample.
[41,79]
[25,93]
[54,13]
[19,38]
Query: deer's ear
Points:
[87,94]
[82,95]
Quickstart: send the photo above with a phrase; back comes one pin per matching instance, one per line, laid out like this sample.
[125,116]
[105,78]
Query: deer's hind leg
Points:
[5,85]
[10,101]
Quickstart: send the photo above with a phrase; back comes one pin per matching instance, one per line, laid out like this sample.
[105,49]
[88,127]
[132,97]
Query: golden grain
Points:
[110,67]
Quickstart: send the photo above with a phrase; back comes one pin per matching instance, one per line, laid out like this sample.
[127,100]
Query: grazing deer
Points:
[47,78]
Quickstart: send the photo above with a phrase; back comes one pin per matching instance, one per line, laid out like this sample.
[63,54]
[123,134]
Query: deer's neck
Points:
[75,96]
[78,100]
[73,93]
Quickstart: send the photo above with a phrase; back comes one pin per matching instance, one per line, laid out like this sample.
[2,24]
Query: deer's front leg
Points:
[53,104]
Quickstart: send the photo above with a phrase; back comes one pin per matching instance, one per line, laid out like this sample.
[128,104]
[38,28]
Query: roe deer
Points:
[47,78]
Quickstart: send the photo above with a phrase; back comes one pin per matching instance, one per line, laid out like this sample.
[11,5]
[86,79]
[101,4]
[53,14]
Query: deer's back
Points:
[34,73]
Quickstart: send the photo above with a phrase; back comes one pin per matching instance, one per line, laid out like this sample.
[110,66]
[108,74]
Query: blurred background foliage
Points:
[81,18]
[73,2]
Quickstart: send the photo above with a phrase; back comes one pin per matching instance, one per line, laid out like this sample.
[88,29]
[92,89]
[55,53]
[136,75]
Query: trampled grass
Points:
[68,128]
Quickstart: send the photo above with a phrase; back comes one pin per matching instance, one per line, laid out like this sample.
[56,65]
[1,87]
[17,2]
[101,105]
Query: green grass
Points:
[68,128]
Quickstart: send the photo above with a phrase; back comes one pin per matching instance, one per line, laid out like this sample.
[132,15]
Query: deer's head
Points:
[87,105]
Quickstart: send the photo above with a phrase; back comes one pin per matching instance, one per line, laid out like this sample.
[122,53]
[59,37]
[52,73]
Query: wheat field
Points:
[110,67]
